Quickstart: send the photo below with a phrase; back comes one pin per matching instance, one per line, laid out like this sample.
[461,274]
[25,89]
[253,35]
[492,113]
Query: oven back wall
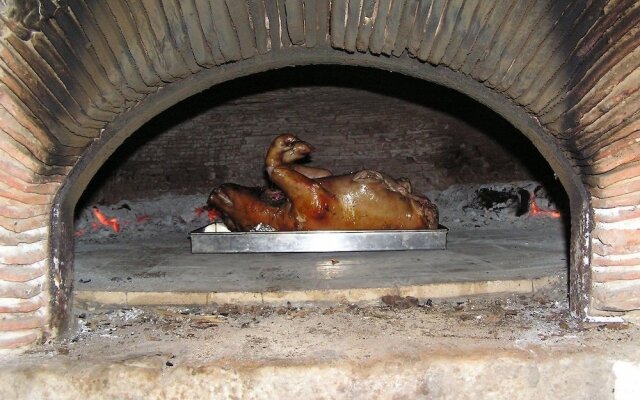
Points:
[362,119]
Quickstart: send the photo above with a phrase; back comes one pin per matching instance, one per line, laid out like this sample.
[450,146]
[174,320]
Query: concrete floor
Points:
[163,270]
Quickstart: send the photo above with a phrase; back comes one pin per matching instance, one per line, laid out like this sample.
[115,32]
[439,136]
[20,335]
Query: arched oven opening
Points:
[507,213]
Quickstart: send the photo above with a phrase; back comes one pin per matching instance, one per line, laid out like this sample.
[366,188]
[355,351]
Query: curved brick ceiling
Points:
[70,68]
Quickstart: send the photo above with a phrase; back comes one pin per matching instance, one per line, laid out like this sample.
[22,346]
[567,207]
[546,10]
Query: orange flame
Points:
[534,209]
[104,220]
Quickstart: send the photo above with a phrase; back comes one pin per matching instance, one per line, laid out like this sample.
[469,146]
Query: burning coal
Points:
[212,214]
[522,204]
[106,221]
[132,218]
[522,201]
[535,210]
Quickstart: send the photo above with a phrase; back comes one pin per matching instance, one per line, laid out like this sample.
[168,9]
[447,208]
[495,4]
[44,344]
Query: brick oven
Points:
[77,78]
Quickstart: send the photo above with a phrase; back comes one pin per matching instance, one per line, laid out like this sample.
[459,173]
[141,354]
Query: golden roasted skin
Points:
[365,200]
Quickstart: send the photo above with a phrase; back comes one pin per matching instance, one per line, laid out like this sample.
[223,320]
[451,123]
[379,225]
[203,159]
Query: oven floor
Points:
[502,346]
[162,270]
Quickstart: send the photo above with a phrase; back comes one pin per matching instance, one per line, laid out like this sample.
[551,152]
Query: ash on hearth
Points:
[496,205]
[487,206]
[143,218]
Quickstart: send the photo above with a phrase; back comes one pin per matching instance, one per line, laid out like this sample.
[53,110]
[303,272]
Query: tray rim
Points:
[200,245]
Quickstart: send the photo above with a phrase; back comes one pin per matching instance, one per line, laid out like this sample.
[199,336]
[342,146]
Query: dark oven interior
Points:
[495,192]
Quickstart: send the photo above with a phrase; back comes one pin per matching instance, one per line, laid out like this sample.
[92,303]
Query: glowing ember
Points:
[212,213]
[534,209]
[104,220]
[80,232]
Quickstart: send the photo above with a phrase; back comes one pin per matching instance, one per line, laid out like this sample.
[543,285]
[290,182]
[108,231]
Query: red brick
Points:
[21,290]
[631,199]
[8,238]
[22,225]
[617,237]
[13,194]
[605,250]
[611,273]
[22,273]
[48,187]
[24,257]
[619,182]
[22,305]
[620,214]
[616,295]
[612,260]
[22,321]
[16,339]
[10,148]
[15,209]
[18,170]
[622,152]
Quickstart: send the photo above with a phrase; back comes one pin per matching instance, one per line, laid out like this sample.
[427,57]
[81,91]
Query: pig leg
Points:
[307,196]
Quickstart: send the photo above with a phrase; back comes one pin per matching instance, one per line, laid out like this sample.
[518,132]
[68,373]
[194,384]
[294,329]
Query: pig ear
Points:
[302,191]
[215,201]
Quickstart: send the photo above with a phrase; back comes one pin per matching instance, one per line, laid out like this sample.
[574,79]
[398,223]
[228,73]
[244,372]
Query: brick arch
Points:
[77,77]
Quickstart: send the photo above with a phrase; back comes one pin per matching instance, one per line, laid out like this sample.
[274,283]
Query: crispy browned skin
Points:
[360,201]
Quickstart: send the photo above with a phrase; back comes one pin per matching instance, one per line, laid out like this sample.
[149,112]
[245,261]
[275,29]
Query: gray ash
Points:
[488,206]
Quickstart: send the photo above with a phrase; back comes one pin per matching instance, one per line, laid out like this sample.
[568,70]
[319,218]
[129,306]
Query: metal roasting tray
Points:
[317,241]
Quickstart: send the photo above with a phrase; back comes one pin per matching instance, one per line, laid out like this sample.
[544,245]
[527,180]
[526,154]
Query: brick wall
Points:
[70,67]
[361,119]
